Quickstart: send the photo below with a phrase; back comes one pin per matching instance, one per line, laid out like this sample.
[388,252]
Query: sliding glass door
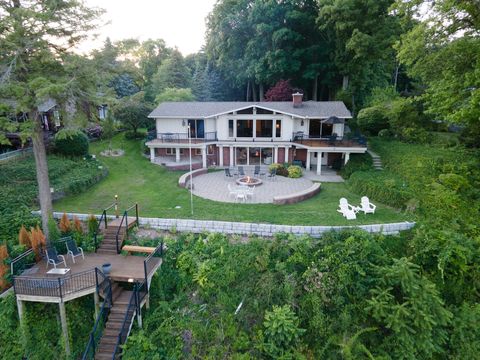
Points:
[197,129]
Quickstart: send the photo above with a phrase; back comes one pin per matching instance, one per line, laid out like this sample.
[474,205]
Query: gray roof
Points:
[311,109]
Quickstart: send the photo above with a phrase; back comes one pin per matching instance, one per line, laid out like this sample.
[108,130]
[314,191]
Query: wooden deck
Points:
[320,143]
[36,285]
[131,220]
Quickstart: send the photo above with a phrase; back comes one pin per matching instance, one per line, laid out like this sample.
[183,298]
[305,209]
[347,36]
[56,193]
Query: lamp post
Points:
[191,176]
[116,206]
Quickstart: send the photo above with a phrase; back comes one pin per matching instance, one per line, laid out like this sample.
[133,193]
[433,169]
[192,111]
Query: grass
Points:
[155,189]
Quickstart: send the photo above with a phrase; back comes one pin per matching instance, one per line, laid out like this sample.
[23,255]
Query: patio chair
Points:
[232,191]
[241,172]
[256,172]
[366,206]
[273,174]
[347,210]
[228,174]
[250,192]
[53,258]
[73,250]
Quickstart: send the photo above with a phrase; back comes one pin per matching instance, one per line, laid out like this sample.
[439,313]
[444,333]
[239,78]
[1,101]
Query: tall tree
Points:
[35,36]
[172,73]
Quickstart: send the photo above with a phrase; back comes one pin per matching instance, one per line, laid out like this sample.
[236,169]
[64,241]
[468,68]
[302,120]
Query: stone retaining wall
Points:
[198,226]
[297,197]
[182,181]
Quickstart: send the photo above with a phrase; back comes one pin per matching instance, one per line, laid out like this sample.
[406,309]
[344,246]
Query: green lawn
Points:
[134,179]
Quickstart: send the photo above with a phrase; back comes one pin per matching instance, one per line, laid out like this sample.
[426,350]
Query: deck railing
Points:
[101,320]
[183,137]
[56,287]
[22,263]
[103,218]
[331,140]
[149,263]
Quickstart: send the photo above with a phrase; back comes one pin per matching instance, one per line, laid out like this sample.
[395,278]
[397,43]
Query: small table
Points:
[63,271]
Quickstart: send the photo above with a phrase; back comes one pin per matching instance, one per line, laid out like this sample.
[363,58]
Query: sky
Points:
[180,23]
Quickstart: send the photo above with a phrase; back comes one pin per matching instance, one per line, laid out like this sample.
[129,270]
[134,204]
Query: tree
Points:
[35,37]
[281,91]
[132,111]
[172,73]
[175,94]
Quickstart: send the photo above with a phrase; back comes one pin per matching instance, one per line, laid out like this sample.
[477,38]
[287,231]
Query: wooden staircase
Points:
[113,326]
[109,243]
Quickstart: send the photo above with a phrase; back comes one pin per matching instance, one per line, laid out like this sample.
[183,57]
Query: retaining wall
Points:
[198,226]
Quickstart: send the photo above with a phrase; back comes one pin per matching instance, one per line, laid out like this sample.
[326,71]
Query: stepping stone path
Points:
[377,162]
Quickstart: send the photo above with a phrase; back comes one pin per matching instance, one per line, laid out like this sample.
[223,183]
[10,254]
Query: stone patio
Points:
[327,175]
[214,186]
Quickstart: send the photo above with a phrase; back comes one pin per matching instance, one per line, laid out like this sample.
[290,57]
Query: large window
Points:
[253,156]
[245,128]
[241,155]
[197,129]
[230,128]
[264,128]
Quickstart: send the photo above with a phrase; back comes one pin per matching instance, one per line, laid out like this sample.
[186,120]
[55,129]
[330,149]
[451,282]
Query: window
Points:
[278,128]
[171,151]
[210,149]
[198,151]
[254,156]
[245,128]
[230,128]
[241,155]
[264,128]
[327,130]
[314,128]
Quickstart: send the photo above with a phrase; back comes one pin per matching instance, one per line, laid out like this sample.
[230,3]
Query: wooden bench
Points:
[138,249]
[297,197]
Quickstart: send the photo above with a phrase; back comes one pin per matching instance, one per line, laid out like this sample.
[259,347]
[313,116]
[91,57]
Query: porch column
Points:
[220,156]
[63,320]
[275,154]
[319,163]
[347,157]
[139,318]
[307,164]
[21,311]
[177,155]
[204,157]
[152,155]
[231,155]
[286,154]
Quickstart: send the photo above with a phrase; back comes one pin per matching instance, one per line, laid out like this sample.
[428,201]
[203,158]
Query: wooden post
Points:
[147,302]
[97,303]
[152,155]
[21,311]
[63,320]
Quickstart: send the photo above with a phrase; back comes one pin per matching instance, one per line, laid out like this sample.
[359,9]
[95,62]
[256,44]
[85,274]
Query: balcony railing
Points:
[55,287]
[183,137]
[331,140]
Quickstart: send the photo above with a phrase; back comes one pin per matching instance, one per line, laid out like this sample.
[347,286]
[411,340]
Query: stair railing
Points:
[103,218]
[98,327]
[125,218]
[149,264]
[127,323]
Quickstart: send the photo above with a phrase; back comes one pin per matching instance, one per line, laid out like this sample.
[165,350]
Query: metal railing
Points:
[22,263]
[183,137]
[12,154]
[148,263]
[98,327]
[55,287]
[133,307]
[125,218]
[300,137]
[103,218]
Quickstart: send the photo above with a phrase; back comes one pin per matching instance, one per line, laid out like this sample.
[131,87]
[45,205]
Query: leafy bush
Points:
[71,143]
[281,170]
[382,186]
[357,162]
[294,171]
[373,119]
[130,135]
[94,131]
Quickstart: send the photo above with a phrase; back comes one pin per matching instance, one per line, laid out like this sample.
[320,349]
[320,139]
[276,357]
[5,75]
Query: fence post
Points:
[60,287]
[95,240]
[136,211]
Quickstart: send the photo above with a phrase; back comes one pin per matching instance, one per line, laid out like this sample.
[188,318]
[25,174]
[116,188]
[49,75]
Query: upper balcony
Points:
[183,138]
[330,141]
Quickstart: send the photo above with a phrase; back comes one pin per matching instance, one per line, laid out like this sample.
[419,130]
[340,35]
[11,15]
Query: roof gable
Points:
[309,109]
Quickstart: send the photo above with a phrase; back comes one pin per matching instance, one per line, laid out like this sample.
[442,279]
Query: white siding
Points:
[170,126]
[338,129]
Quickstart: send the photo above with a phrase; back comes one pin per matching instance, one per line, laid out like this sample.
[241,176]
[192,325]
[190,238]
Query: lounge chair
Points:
[73,250]
[347,210]
[366,206]
[228,174]
[53,258]
[273,174]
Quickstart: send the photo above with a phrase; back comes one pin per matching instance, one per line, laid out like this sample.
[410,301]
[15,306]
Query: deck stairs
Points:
[377,161]
[116,226]
[108,341]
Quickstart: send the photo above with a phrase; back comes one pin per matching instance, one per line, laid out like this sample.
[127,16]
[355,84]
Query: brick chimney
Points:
[297,100]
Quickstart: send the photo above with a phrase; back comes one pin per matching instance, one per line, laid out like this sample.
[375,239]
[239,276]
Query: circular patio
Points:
[215,186]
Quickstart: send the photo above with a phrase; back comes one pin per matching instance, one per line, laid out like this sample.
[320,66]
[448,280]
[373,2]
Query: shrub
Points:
[3,266]
[38,241]
[71,143]
[294,171]
[357,162]
[281,170]
[94,131]
[373,119]
[53,231]
[65,225]
[24,237]
[92,224]
[385,133]
[77,226]
[130,135]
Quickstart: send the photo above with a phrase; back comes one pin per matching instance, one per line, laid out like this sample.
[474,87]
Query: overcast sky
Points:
[180,23]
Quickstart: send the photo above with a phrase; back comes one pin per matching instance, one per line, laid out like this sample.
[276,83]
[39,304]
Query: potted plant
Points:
[106,268]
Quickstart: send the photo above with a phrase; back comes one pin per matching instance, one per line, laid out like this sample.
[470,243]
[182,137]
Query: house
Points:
[312,133]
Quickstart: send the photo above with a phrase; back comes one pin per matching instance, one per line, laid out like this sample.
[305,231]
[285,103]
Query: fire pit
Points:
[249,181]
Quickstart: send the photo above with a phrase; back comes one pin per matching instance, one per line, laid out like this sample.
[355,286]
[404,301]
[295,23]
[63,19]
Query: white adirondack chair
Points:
[366,206]
[347,210]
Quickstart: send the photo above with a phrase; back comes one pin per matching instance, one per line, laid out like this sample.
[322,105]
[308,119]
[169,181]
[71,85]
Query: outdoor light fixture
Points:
[130,280]
[116,206]
[302,122]
[183,122]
